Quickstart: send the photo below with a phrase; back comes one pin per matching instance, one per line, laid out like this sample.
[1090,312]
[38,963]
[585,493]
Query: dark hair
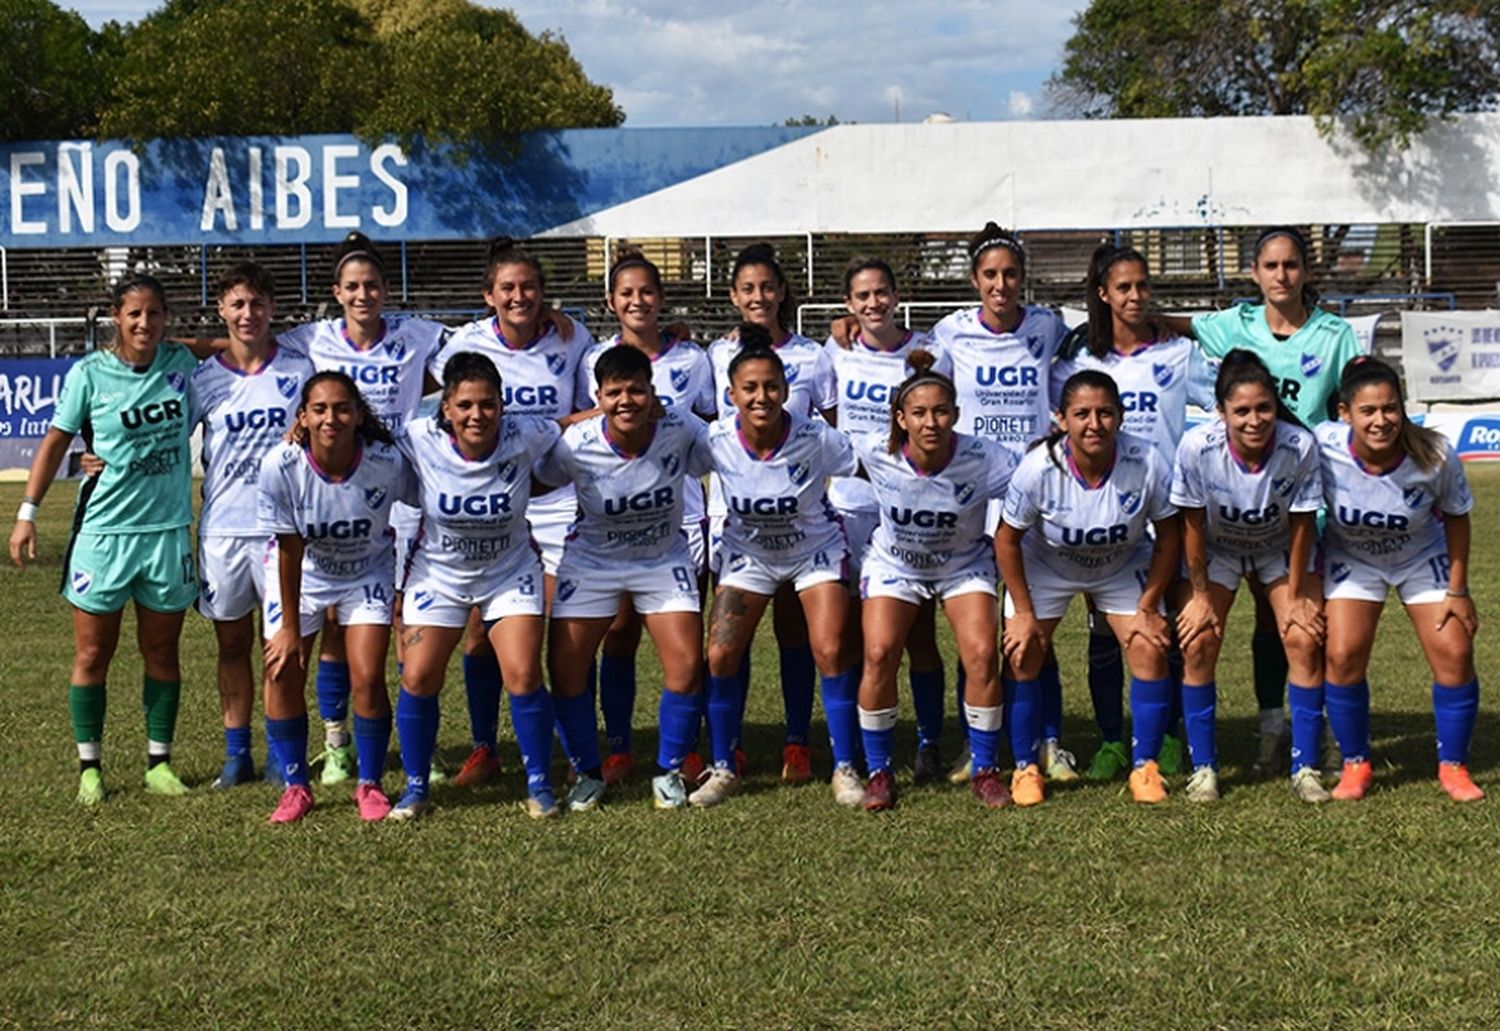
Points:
[765,254]
[505,251]
[356,247]
[921,362]
[754,337]
[466,367]
[1426,447]
[1101,317]
[248,274]
[631,257]
[133,282]
[622,362]
[1083,379]
[756,354]
[1292,233]
[1239,368]
[867,264]
[370,428]
[993,236]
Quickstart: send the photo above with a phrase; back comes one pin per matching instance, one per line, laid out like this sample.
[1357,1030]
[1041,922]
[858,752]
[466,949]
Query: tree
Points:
[1382,67]
[811,120]
[52,66]
[444,69]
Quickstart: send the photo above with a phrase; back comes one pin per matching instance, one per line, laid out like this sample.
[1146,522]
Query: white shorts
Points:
[859,527]
[550,517]
[1422,582]
[762,576]
[1119,595]
[230,570]
[1265,568]
[696,532]
[362,602]
[882,580]
[430,600]
[590,589]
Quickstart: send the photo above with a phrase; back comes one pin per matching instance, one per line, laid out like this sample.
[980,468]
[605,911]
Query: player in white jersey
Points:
[762,294]
[932,486]
[328,500]
[631,469]
[683,381]
[245,397]
[867,373]
[544,374]
[391,359]
[474,462]
[1248,487]
[1076,521]
[781,530]
[1398,517]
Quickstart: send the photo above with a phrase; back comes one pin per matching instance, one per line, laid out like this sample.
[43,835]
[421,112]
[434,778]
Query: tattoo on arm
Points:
[1198,576]
[726,620]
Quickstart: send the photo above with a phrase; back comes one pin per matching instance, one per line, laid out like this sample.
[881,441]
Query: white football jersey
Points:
[778,506]
[1247,512]
[473,511]
[629,506]
[244,416]
[1002,378]
[933,523]
[345,524]
[1089,533]
[681,375]
[1387,518]
[1156,383]
[809,375]
[389,372]
[547,377]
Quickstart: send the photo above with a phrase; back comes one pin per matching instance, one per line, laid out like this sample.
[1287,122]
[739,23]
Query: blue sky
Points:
[741,62]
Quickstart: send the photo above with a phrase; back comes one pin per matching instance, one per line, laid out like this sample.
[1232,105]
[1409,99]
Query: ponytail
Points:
[920,362]
[1101,327]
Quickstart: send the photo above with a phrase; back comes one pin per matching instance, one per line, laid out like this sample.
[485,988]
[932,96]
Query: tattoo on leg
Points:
[412,638]
[727,617]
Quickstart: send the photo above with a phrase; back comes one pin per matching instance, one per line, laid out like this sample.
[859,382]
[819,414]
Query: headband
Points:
[369,256]
[1298,240]
[926,379]
[1010,243]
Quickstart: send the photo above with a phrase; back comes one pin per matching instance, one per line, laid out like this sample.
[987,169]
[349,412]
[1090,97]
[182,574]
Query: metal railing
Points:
[51,326]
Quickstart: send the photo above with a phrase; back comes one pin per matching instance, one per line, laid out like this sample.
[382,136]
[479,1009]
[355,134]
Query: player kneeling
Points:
[933,487]
[630,467]
[1090,494]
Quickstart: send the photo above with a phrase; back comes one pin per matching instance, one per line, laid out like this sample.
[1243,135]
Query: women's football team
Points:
[552,508]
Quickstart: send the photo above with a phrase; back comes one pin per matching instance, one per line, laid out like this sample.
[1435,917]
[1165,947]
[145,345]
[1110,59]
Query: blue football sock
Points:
[1349,715]
[1049,698]
[533,717]
[372,739]
[877,727]
[417,731]
[579,732]
[236,741]
[743,679]
[725,710]
[1107,682]
[960,679]
[332,687]
[1150,705]
[984,735]
[1023,718]
[840,708]
[677,718]
[927,692]
[617,700]
[797,675]
[482,690]
[1454,710]
[1199,702]
[1307,724]
[286,740]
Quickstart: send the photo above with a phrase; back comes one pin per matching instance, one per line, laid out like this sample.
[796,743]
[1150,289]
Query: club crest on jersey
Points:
[1443,345]
[669,464]
[1414,496]
[207,591]
[1311,363]
[1130,501]
[177,381]
[287,385]
[738,562]
[508,471]
[556,363]
[963,493]
[679,379]
[1035,346]
[791,375]
[798,472]
[1282,485]
[82,581]
[1338,572]
[273,612]
[1162,374]
[423,599]
[566,589]
[396,348]
[374,496]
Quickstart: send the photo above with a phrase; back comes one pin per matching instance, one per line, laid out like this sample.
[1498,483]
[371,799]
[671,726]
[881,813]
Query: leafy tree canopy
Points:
[52,67]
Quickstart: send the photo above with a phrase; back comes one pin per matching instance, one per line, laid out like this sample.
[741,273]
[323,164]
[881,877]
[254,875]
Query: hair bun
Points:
[921,361]
[501,245]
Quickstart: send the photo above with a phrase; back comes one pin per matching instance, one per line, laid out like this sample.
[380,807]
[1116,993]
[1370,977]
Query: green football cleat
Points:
[160,780]
[1109,762]
[1171,759]
[90,787]
[338,764]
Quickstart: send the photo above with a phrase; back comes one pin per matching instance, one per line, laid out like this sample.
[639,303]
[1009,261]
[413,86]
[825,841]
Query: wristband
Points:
[28,511]
[1458,594]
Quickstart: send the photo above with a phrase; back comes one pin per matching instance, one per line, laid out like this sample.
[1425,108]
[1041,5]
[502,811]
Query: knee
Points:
[1146,660]
[1302,649]
[881,656]
[723,661]
[828,656]
[1202,653]
[235,647]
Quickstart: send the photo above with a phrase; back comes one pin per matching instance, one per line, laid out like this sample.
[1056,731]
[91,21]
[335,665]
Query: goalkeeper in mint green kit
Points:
[1305,348]
[131,536]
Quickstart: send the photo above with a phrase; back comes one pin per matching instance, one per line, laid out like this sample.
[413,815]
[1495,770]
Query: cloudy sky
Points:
[738,62]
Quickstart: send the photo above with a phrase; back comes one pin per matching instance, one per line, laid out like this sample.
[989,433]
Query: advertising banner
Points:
[1451,355]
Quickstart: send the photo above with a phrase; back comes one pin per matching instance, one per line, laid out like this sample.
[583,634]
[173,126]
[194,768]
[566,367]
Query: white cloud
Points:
[1020,104]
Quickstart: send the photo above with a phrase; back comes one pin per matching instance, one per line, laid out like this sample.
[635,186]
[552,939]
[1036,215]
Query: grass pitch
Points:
[777,909]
